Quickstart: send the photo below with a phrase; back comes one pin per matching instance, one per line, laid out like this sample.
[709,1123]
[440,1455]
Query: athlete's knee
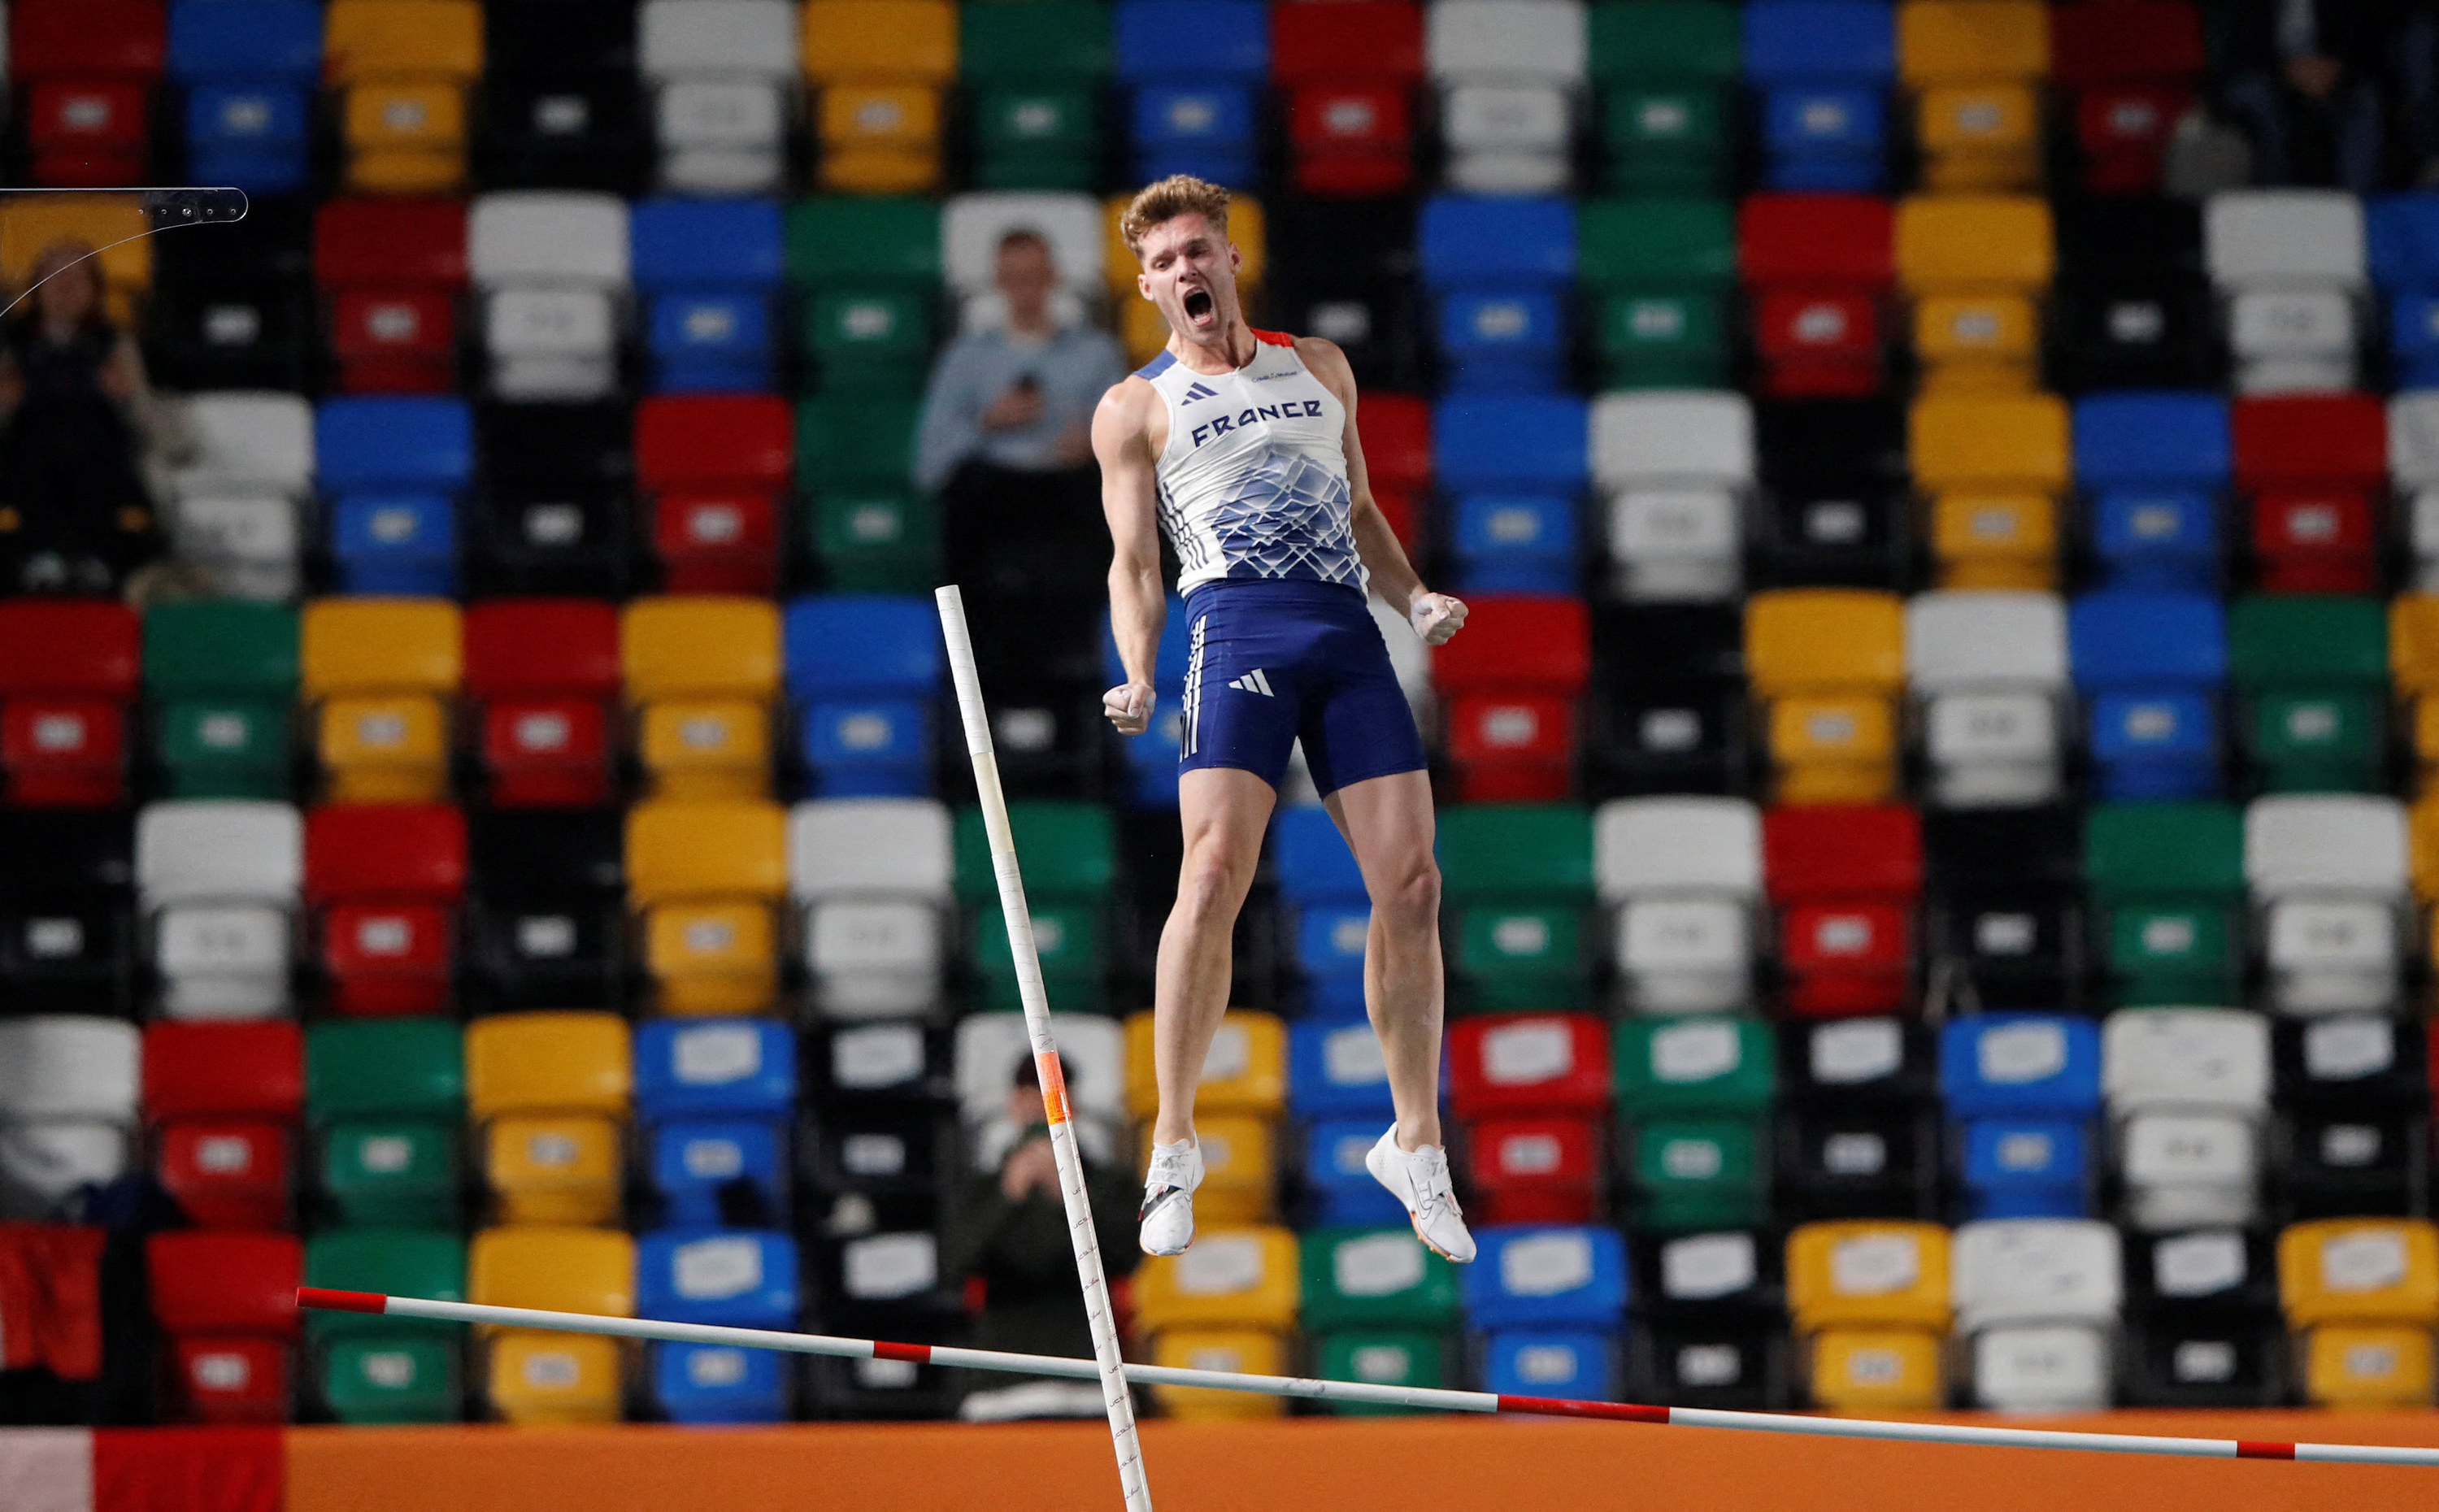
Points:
[1213,881]
[1409,894]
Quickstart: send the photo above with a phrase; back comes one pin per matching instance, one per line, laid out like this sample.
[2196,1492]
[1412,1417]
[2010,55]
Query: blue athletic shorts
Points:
[1272,660]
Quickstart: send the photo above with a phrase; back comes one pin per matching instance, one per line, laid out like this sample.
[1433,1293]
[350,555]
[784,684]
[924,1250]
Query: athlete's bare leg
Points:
[1225,811]
[1388,824]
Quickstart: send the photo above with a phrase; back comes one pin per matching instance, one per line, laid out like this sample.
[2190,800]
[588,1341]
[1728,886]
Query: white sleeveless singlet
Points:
[1253,483]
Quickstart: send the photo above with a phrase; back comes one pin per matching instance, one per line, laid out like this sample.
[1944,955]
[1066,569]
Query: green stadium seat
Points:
[1703,1064]
[2168,877]
[1523,958]
[1381,1357]
[1375,1279]
[405,1065]
[220,677]
[401,1171]
[1071,939]
[878,540]
[868,270]
[1067,848]
[1666,70]
[1033,72]
[1518,877]
[868,340]
[2312,672]
[855,443]
[1698,1173]
[1659,271]
[374,1369]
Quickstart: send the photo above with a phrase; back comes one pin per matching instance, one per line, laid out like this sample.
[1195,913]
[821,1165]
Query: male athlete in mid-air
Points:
[1240,444]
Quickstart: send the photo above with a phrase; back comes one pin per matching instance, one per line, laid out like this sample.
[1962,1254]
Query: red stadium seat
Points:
[393,270]
[2314,542]
[227,1173]
[228,1300]
[2129,66]
[223,1070]
[1845,878]
[87,67]
[1512,679]
[1397,436]
[1349,69]
[544,673]
[716,466]
[1348,39]
[1512,747]
[1534,1170]
[230,1378]
[1529,1063]
[386,877]
[68,668]
[2314,463]
[1817,267]
[2123,130]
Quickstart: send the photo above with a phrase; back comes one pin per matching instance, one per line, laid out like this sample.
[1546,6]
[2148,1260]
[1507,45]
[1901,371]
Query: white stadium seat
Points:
[1684,875]
[2328,874]
[1093,1051]
[2041,1270]
[219,879]
[725,72]
[2414,471]
[235,491]
[1674,467]
[873,875]
[1990,670]
[973,226]
[1510,75]
[2291,264]
[553,271]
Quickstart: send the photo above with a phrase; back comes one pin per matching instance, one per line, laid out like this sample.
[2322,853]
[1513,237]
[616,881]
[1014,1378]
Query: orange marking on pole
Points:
[1053,1088]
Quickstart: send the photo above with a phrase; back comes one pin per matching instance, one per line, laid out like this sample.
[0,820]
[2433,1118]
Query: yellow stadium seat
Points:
[553,1268]
[1833,749]
[1242,1351]
[111,223]
[1246,228]
[2359,1270]
[405,137]
[372,645]
[1142,328]
[570,1061]
[1976,342]
[1876,1369]
[699,647]
[1952,41]
[1806,640]
[401,39]
[554,1167]
[2423,832]
[880,139]
[1240,1167]
[384,748]
[1974,244]
[1982,139]
[1979,440]
[2368,1365]
[707,747]
[689,852]
[720,957]
[539,1379]
[1869,1273]
[1994,541]
[2414,642]
[1245,1072]
[912,42]
[1232,1279]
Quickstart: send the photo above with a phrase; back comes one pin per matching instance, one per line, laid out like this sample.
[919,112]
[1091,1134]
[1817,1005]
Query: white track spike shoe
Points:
[1419,1178]
[1168,1216]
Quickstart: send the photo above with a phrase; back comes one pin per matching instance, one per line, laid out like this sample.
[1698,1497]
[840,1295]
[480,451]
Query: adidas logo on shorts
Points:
[1253,682]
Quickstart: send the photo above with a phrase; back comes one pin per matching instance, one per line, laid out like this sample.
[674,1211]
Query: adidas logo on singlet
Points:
[1253,682]
[1195,391]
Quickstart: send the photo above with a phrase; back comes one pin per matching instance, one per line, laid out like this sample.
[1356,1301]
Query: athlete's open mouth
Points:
[1198,304]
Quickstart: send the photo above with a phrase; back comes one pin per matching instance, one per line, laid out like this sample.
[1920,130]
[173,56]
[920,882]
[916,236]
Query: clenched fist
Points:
[1129,707]
[1435,617]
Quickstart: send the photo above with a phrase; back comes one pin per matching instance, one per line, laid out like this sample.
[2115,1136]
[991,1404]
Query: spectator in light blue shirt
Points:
[1007,432]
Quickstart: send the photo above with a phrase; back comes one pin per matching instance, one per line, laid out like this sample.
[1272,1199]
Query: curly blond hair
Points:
[1178,194]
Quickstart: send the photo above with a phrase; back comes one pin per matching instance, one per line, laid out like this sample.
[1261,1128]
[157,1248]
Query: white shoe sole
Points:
[1373,1162]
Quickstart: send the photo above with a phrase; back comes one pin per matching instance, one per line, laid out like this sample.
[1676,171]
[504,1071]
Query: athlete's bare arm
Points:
[1435,616]
[1129,428]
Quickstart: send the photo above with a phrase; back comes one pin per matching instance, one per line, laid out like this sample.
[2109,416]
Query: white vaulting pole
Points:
[1046,1053]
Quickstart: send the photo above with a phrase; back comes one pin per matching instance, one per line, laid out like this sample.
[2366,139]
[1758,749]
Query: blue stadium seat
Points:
[249,67]
[391,467]
[2155,466]
[1319,881]
[694,1161]
[714,1067]
[2401,241]
[1195,67]
[2150,662]
[1516,543]
[1525,444]
[1495,243]
[1151,757]
[865,671]
[2025,1065]
[1503,339]
[1824,67]
[709,270]
[2414,339]
[727,1276]
[1542,1363]
[1531,1275]
[1333,1168]
[1335,1071]
[2027,1168]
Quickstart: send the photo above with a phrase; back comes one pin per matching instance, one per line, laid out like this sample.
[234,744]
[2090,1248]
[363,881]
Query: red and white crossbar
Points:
[1427,1397]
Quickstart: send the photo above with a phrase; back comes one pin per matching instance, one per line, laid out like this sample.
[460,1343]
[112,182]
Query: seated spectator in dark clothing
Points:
[1007,432]
[75,410]
[2304,79]
[1008,1229]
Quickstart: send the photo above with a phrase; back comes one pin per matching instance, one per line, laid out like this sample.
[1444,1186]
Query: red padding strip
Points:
[2262,1448]
[912,1353]
[341,1301]
[1562,1407]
